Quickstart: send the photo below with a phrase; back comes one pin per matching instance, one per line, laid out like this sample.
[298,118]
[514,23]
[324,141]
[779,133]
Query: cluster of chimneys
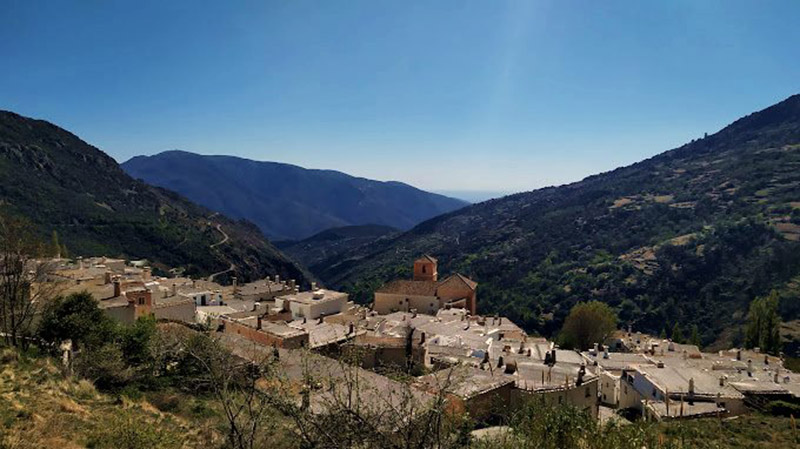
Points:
[291,284]
[550,357]
[596,350]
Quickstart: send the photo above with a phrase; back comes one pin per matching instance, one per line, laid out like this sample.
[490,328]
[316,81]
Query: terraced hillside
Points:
[689,236]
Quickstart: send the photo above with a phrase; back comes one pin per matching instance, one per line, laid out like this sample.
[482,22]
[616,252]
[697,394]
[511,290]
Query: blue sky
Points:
[461,95]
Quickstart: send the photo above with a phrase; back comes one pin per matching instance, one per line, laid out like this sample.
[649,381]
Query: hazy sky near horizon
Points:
[445,95]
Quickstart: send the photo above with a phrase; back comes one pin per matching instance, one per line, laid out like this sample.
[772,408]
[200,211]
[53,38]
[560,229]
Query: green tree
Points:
[55,248]
[663,334]
[78,318]
[588,323]
[696,336]
[677,333]
[137,341]
[763,324]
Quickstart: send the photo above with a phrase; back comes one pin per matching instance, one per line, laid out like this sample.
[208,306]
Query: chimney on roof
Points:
[500,362]
[749,367]
[277,278]
[691,391]
[313,286]
[511,367]
[581,373]
[258,322]
[722,381]
[422,338]
[766,359]
[351,329]
[117,288]
[292,284]
[605,352]
[738,354]
[304,320]
[235,283]
[319,320]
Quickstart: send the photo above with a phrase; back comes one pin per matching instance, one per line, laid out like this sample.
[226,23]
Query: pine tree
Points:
[696,336]
[677,333]
[663,335]
[56,246]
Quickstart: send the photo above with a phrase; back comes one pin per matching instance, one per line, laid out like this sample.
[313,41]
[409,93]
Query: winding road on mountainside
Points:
[224,240]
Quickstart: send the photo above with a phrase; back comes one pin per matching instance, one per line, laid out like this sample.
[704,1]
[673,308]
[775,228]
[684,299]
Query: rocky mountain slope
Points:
[288,202]
[61,183]
[689,236]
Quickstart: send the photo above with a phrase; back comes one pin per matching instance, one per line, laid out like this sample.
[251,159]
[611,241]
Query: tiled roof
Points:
[470,283]
[427,258]
[422,288]
[405,287]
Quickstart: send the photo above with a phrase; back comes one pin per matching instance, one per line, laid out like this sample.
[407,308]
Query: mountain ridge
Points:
[286,201]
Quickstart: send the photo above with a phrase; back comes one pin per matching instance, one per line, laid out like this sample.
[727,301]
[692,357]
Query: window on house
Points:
[141,301]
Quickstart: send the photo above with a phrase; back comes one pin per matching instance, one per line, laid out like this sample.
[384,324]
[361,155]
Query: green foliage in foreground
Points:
[539,426]
[108,354]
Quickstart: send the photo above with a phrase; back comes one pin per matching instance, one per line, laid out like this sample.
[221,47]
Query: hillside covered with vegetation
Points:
[331,242]
[690,236]
[60,183]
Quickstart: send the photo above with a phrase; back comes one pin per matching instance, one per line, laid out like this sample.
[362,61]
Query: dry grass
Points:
[40,408]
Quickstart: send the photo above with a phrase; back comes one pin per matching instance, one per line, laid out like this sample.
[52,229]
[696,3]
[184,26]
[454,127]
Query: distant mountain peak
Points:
[286,201]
